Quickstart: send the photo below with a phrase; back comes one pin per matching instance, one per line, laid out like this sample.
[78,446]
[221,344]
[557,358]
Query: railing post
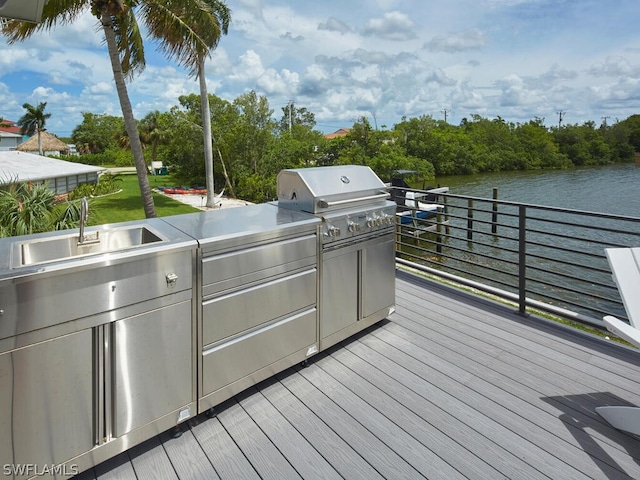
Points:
[439,232]
[522,259]
[494,214]
[469,219]
[445,201]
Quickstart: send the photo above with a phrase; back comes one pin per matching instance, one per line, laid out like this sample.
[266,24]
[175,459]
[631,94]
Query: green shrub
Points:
[26,209]
[107,183]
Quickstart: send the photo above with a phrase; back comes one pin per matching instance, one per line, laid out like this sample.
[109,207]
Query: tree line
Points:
[251,145]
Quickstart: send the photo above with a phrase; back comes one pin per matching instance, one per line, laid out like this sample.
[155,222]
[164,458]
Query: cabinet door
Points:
[46,401]
[378,277]
[152,366]
[339,307]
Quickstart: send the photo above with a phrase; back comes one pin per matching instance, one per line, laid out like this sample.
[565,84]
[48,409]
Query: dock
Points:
[451,386]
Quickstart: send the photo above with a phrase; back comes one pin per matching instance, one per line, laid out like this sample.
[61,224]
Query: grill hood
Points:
[322,189]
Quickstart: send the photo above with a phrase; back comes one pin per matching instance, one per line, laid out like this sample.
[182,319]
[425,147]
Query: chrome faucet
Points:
[84,216]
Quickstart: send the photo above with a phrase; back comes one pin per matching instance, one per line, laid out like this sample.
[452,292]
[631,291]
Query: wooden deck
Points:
[451,386]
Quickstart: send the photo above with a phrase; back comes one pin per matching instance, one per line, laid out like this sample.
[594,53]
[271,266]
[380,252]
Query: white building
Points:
[61,176]
[9,141]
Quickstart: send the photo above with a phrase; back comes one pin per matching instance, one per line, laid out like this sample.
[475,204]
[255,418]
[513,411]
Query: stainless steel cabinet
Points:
[47,401]
[339,305]
[115,367]
[152,366]
[259,314]
[378,277]
[357,287]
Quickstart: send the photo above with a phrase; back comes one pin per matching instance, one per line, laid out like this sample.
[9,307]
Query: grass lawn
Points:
[127,205]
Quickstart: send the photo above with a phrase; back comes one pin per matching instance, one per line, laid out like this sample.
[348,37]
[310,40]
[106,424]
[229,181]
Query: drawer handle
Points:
[172,278]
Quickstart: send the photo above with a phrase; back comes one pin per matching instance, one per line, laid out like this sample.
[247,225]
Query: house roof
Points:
[6,134]
[50,143]
[10,126]
[338,133]
[27,167]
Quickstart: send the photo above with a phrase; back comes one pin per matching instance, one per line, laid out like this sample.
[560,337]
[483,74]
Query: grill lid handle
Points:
[325,204]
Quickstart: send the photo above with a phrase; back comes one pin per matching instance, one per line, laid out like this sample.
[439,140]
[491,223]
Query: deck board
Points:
[304,458]
[340,454]
[187,457]
[451,386]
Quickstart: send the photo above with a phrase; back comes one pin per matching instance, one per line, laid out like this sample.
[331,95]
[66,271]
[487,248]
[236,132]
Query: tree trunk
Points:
[39,142]
[226,175]
[206,132]
[129,120]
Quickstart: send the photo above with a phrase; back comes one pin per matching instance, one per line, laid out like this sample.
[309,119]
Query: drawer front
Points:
[249,308]
[234,360]
[30,305]
[229,270]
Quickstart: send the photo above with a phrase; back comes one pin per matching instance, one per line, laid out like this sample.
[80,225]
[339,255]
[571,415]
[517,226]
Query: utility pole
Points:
[290,120]
[604,121]
[560,117]
[445,111]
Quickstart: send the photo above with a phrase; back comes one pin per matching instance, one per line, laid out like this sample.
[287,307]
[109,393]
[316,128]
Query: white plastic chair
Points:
[625,265]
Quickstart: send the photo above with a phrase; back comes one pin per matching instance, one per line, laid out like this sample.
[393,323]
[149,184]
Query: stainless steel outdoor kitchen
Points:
[112,336]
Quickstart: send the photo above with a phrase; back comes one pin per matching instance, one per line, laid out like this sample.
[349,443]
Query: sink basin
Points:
[59,248]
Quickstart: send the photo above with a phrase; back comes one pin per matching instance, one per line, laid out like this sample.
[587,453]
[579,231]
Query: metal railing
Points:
[545,258]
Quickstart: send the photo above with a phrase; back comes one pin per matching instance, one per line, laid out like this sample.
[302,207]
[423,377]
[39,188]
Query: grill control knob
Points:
[333,231]
[370,222]
[353,227]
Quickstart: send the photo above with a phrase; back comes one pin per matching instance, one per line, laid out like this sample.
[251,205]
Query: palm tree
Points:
[34,121]
[152,133]
[119,22]
[206,24]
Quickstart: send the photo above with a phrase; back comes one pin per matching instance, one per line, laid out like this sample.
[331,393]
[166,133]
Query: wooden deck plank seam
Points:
[325,440]
[382,455]
[501,364]
[460,412]
[536,439]
[545,354]
[531,411]
[392,409]
[516,379]
[562,334]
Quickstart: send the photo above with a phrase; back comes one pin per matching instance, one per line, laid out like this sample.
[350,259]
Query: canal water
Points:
[613,189]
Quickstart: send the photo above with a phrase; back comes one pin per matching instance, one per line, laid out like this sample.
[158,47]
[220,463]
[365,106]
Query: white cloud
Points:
[457,42]
[101,88]
[392,26]
[513,58]
[334,25]
[615,67]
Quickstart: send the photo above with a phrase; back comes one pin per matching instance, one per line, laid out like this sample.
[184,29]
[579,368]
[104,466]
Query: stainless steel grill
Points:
[351,200]
[357,268]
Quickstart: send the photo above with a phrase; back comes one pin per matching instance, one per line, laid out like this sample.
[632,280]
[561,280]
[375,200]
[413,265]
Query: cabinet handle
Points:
[172,278]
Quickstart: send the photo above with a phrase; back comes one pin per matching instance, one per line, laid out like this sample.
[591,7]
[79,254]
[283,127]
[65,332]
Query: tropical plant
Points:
[95,133]
[119,22]
[151,133]
[33,121]
[27,209]
[208,25]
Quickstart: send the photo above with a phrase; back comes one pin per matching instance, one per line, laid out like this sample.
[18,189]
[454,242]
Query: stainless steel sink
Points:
[58,248]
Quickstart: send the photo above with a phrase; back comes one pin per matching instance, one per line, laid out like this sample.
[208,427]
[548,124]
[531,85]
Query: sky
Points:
[379,59]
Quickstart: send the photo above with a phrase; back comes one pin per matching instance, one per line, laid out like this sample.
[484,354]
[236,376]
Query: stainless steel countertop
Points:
[172,239]
[243,225]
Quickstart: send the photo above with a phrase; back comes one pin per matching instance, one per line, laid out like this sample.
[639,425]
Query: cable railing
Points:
[544,258]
